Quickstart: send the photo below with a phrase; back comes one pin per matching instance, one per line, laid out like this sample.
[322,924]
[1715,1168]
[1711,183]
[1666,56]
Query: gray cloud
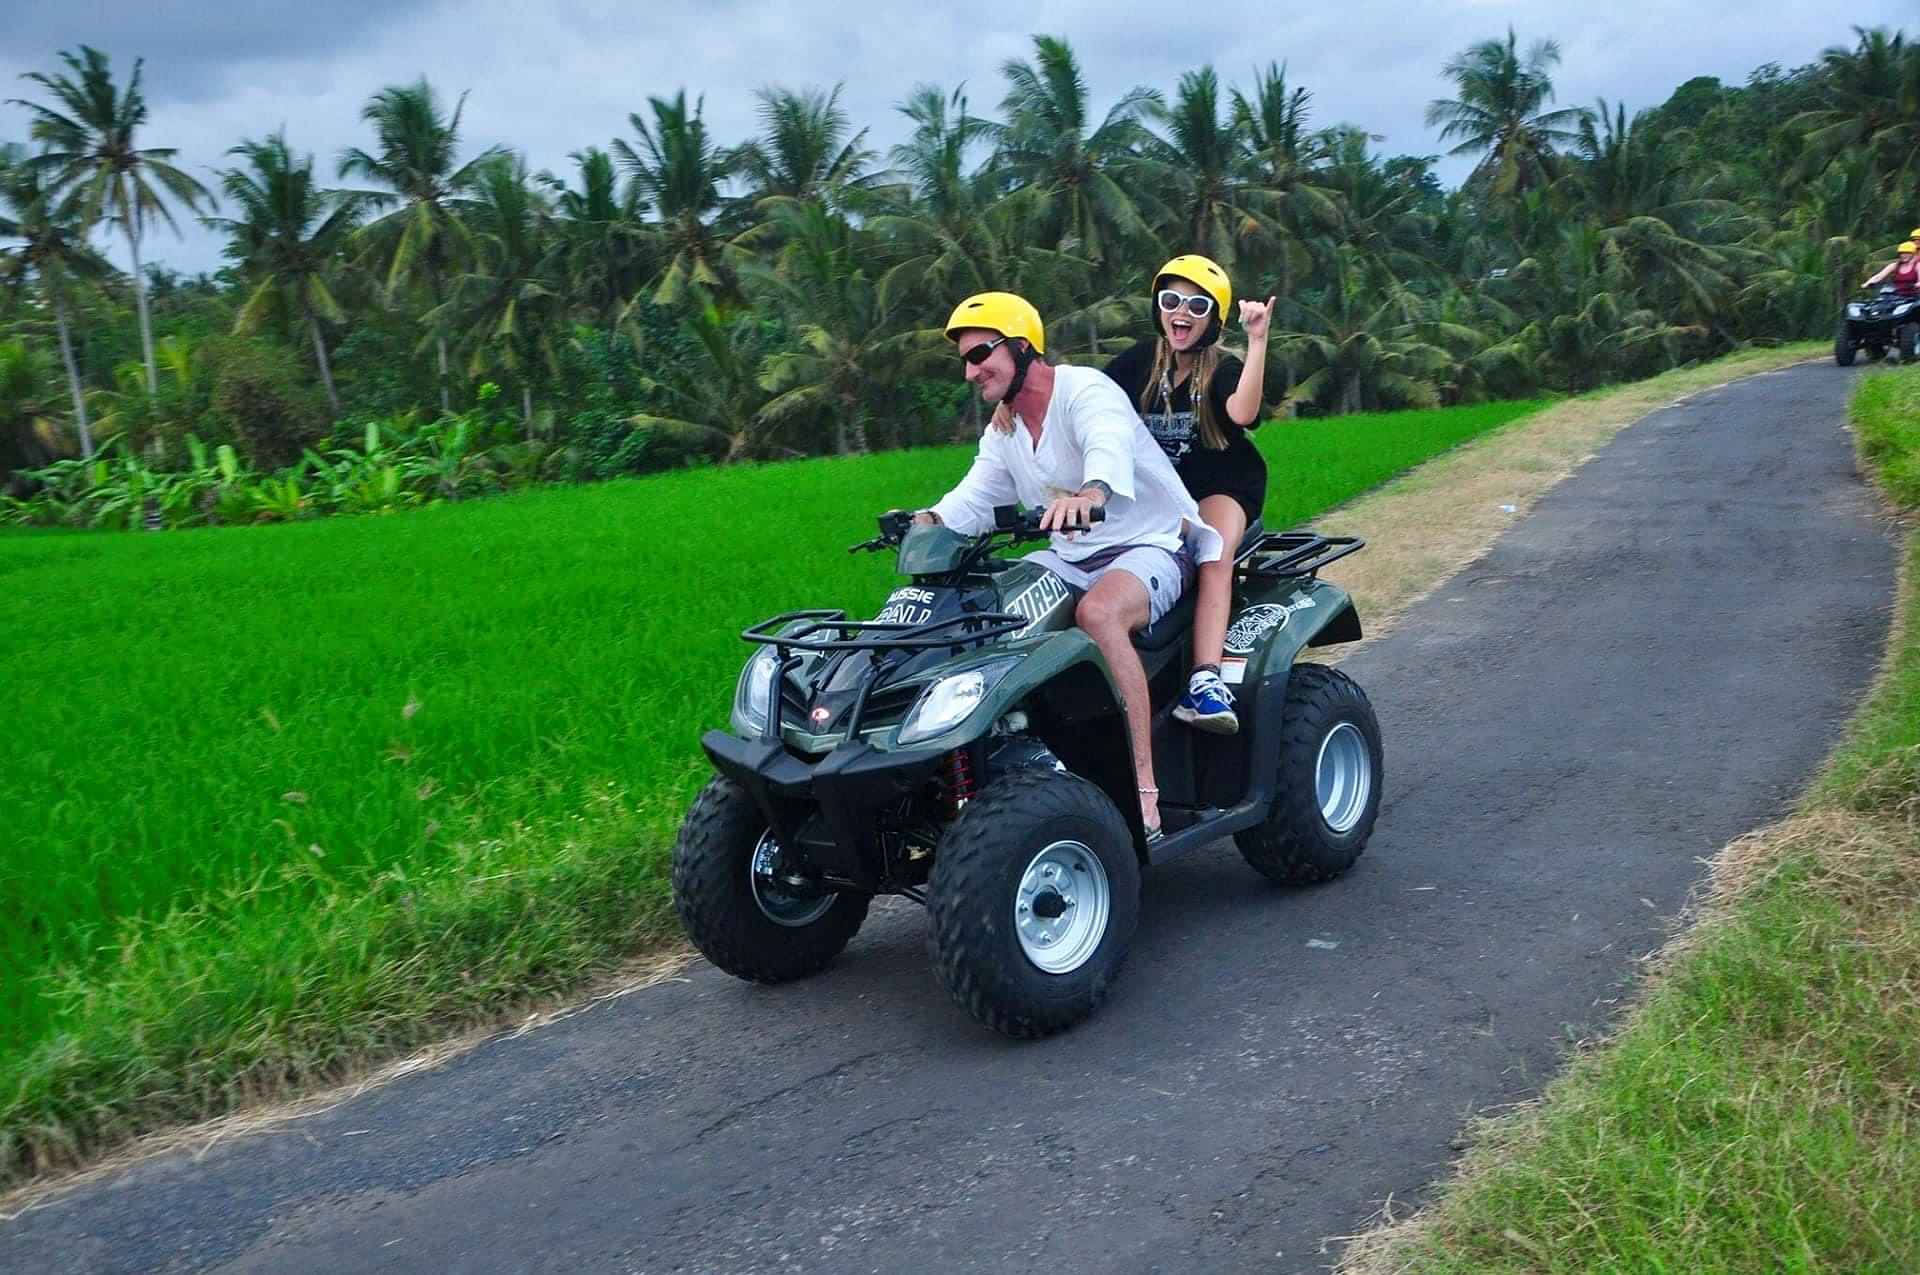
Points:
[550,79]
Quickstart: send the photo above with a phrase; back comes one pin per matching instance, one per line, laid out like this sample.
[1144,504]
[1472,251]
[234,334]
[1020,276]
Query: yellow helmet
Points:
[1001,312]
[1906,247]
[1914,234]
[1202,273]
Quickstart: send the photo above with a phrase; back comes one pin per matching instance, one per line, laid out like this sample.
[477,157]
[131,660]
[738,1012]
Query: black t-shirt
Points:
[1236,470]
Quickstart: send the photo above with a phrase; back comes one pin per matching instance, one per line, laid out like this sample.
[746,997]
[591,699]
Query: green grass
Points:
[1760,1112]
[280,799]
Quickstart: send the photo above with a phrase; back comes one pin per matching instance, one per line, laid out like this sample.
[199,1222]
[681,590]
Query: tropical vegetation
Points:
[675,296]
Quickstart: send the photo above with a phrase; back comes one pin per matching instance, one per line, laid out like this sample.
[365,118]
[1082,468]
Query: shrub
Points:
[260,397]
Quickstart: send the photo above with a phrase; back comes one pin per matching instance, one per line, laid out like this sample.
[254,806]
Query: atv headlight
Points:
[1902,309]
[753,698]
[1855,310]
[948,701]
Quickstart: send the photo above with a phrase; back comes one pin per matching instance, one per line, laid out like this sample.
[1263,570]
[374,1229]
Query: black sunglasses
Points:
[1197,306]
[982,352]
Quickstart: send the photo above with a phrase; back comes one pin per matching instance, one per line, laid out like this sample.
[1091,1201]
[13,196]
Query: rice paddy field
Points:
[280,798]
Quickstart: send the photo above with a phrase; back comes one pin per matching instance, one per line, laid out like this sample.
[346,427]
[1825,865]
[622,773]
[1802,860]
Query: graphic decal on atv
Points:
[907,606]
[1038,600]
[1256,622]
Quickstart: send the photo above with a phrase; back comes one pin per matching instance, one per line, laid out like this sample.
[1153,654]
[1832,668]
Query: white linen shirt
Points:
[1090,432]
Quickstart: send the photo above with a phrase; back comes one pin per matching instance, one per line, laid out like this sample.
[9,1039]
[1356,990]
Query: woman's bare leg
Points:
[1224,515]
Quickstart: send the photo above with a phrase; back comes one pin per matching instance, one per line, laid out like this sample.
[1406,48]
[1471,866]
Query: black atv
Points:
[1884,321]
[966,748]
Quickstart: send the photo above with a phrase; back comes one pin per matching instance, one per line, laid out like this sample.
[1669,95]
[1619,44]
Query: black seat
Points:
[1172,626]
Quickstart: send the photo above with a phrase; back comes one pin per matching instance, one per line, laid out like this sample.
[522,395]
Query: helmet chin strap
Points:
[1023,357]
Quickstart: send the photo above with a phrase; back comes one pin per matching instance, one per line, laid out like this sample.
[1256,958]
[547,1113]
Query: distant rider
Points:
[1073,444]
[1903,272]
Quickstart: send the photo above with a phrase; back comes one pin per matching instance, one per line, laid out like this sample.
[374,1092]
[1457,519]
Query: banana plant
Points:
[283,497]
[448,462]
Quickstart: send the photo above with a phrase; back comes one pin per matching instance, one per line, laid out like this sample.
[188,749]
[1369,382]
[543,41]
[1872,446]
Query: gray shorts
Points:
[1165,574]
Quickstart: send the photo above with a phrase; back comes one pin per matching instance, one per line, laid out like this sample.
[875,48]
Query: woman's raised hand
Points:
[1254,318]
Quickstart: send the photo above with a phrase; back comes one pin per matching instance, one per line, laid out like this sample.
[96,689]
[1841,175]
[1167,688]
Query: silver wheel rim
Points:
[781,900]
[1343,776]
[1060,910]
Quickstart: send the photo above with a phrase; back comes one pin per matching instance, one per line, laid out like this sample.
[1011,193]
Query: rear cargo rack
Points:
[1282,555]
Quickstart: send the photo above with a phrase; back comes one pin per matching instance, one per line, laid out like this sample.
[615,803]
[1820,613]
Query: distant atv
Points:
[966,748]
[1885,321]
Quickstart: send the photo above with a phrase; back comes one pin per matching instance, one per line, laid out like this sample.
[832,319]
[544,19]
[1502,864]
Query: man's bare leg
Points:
[1110,612]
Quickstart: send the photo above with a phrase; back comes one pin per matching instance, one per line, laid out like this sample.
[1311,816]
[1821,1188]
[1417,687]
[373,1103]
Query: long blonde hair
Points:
[1199,382]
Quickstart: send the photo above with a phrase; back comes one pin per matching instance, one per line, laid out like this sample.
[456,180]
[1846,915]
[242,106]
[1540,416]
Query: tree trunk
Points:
[526,409]
[440,340]
[1093,337]
[73,374]
[853,429]
[140,290]
[326,368]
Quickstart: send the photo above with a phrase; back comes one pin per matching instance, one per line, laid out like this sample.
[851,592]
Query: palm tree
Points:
[28,436]
[91,148]
[1355,352]
[510,302]
[849,341]
[679,170]
[52,250]
[1633,189]
[1078,174]
[713,398]
[933,162]
[1874,90]
[1498,114]
[807,149]
[287,239]
[604,249]
[1380,222]
[416,161]
[952,235]
[1207,163]
[1287,157]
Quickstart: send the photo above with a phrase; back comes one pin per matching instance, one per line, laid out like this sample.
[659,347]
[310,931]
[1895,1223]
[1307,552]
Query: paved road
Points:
[1648,665]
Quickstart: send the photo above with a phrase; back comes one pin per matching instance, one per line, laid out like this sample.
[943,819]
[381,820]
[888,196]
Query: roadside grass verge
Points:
[283,801]
[1759,1110]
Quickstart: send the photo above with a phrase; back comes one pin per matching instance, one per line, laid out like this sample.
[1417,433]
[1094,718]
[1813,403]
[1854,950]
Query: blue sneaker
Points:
[1207,705]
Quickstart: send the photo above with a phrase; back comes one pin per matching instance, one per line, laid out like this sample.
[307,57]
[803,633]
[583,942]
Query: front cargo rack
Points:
[1284,555]
[956,633]
[875,635]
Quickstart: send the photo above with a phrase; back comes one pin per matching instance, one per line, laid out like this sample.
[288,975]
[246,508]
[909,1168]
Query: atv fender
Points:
[1064,686]
[1269,629]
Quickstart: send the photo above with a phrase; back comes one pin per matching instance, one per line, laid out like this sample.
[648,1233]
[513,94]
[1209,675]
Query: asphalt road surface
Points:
[1651,663]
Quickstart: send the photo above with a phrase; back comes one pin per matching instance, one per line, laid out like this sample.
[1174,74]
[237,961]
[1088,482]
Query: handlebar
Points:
[1009,520]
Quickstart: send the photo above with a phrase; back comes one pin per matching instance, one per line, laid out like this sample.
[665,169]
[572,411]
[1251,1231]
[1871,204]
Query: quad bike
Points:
[967,749]
[1887,320]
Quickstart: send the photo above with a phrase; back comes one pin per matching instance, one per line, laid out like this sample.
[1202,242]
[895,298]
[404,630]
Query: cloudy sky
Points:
[550,78]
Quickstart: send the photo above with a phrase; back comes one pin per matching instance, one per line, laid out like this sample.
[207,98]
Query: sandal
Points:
[1154,830]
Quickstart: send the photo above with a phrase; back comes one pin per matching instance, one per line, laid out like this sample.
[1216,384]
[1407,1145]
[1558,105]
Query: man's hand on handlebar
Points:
[1074,513]
[926,518]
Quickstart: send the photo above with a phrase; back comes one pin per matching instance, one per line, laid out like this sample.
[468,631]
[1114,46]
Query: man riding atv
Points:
[1074,443]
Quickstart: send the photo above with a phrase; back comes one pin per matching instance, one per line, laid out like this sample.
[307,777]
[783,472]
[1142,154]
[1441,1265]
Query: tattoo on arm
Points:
[1106,492]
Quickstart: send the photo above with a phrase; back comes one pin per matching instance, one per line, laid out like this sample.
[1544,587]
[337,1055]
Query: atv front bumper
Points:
[848,788]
